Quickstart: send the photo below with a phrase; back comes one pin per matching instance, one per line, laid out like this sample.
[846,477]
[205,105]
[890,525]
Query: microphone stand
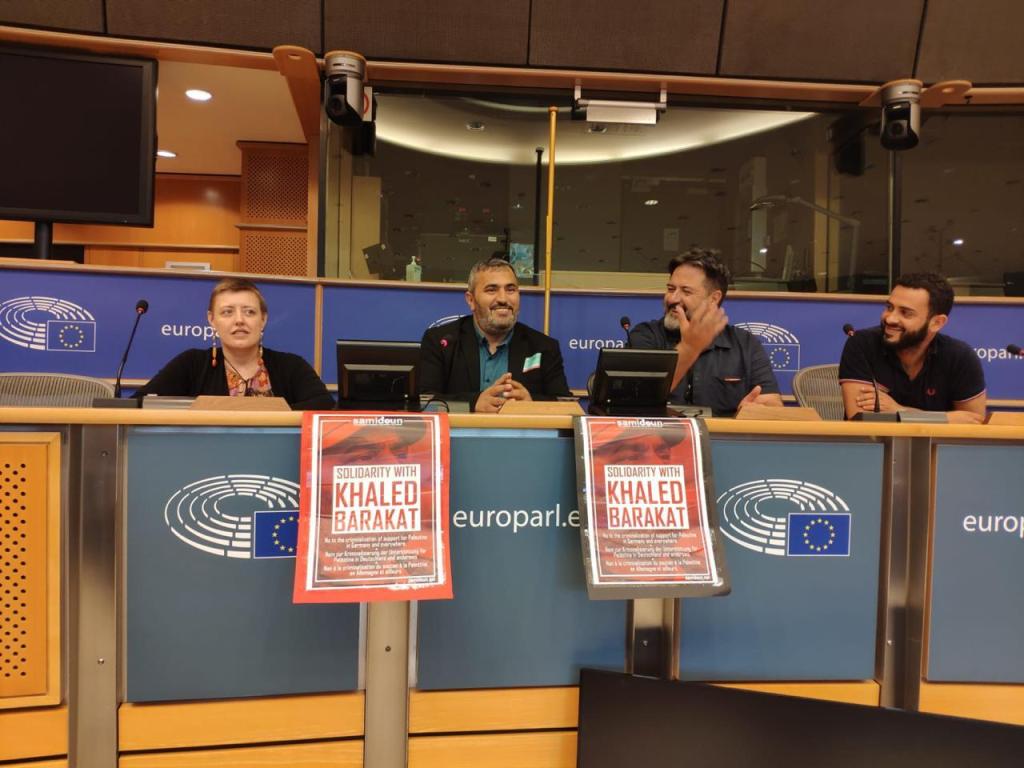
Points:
[124,358]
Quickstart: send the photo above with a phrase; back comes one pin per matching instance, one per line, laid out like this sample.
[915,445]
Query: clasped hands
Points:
[500,392]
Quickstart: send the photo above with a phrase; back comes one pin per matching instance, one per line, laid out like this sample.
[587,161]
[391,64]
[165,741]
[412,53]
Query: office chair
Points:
[818,387]
[53,390]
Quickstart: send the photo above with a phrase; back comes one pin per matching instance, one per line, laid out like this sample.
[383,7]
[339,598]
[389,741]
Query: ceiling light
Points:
[166,153]
[652,201]
[475,125]
[763,250]
[197,94]
[958,241]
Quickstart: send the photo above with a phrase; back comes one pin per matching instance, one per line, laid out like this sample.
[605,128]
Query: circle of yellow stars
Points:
[811,526]
[784,354]
[281,547]
[73,343]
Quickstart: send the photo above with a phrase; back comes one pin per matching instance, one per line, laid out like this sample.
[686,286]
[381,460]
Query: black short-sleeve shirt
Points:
[951,373]
[722,375]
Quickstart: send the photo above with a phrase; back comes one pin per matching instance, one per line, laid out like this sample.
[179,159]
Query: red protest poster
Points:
[373,508]
[650,522]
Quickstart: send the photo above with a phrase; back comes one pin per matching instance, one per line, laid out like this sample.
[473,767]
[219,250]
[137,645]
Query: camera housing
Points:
[901,115]
[344,72]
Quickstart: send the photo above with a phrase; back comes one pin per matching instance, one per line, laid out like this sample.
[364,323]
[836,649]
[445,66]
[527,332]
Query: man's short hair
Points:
[940,292]
[716,274]
[486,266]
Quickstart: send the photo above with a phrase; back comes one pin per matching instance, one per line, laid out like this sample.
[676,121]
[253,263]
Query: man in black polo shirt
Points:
[916,367]
[718,365]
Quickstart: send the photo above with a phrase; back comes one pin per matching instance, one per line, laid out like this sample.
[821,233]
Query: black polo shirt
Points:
[951,373]
[722,375]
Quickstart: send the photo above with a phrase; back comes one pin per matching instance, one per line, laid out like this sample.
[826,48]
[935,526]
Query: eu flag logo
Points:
[783,357]
[70,336]
[821,534]
[275,533]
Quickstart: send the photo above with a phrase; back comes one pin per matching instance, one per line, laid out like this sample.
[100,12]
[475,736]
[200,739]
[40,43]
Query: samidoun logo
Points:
[781,346]
[443,320]
[47,324]
[240,516]
[784,517]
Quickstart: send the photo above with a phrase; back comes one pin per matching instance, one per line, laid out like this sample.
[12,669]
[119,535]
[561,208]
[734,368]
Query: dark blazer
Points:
[450,362]
[190,375]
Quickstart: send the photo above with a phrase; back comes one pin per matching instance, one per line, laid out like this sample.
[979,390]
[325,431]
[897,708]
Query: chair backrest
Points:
[817,387]
[61,390]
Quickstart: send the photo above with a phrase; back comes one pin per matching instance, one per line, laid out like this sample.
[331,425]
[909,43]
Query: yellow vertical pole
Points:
[550,220]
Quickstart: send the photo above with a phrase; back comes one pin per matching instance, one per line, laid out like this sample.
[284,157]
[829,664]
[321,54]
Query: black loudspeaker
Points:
[846,137]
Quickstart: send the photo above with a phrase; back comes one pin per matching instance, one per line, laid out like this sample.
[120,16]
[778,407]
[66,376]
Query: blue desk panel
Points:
[791,615]
[520,615]
[976,629]
[202,624]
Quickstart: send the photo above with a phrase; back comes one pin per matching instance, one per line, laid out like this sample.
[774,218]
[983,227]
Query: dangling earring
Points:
[213,353]
[261,349]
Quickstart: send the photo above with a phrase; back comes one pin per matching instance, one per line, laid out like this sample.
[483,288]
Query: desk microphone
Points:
[876,412]
[141,307]
[626,324]
[1013,349]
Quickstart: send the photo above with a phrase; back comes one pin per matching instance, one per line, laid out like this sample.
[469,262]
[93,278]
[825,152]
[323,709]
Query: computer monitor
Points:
[632,380]
[378,375]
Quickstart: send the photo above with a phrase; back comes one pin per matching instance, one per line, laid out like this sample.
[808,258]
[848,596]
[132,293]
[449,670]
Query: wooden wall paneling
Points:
[273,252]
[26,734]
[243,23]
[471,31]
[219,261]
[499,709]
[30,563]
[188,210]
[78,15]
[870,41]
[551,749]
[143,727]
[645,35]
[977,41]
[98,256]
[331,754]
[365,225]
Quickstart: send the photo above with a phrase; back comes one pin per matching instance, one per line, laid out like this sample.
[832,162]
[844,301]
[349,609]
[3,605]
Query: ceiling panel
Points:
[870,41]
[679,36]
[76,15]
[978,41]
[243,23]
[465,31]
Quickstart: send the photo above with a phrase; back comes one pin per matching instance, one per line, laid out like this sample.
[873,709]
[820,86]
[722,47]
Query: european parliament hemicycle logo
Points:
[47,324]
[786,518]
[238,516]
[781,346]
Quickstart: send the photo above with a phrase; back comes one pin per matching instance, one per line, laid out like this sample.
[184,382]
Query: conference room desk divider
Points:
[179,643]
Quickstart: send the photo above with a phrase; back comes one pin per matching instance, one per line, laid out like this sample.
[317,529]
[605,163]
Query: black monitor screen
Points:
[377,373]
[77,138]
[633,377]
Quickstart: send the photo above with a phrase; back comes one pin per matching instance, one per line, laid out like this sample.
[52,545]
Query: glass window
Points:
[963,202]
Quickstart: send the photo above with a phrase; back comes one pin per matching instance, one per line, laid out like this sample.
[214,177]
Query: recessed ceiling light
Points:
[197,94]
[763,250]
[958,241]
[475,125]
[652,201]
[166,153]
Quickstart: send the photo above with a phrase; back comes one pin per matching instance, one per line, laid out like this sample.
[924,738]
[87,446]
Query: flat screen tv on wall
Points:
[77,137]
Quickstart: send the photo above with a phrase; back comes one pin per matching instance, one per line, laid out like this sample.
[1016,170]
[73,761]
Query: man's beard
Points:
[492,323]
[671,321]
[907,339]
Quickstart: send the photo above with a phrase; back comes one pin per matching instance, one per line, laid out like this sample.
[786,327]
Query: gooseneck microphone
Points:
[876,412]
[626,324]
[1013,349]
[141,307]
